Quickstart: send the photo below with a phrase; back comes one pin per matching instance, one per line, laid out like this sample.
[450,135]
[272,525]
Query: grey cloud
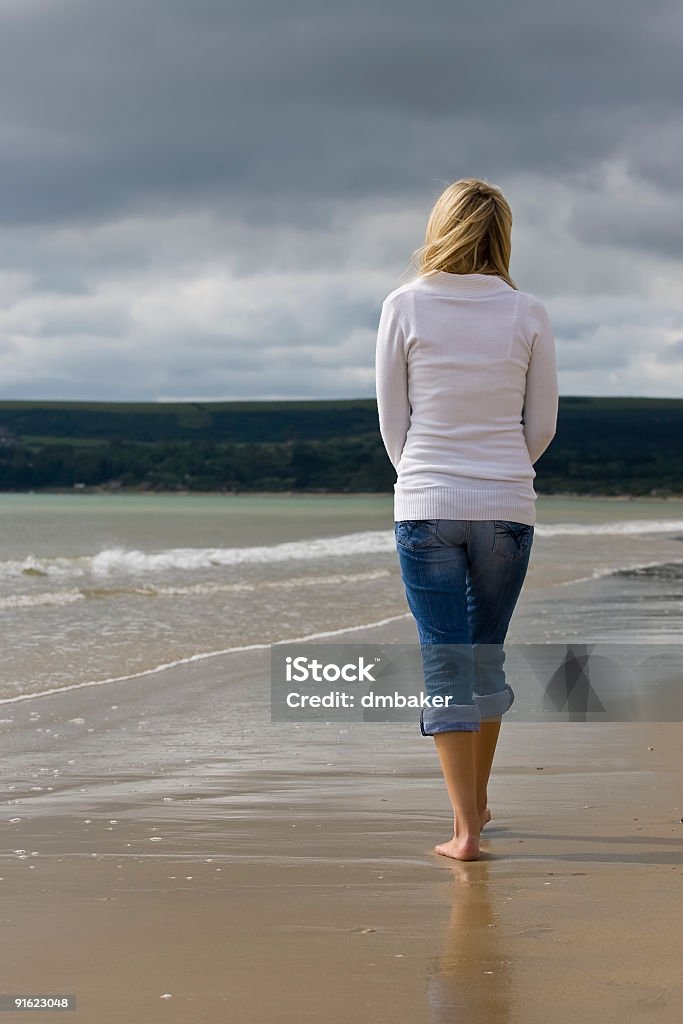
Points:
[212,198]
[109,106]
[673,353]
[639,219]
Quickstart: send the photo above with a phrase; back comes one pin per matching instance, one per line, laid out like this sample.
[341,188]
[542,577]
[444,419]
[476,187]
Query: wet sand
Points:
[176,842]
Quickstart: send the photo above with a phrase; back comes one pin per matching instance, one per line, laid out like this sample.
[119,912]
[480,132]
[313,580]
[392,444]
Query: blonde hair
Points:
[468,232]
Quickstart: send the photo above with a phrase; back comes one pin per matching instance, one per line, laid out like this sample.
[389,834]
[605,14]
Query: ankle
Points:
[467,826]
[468,835]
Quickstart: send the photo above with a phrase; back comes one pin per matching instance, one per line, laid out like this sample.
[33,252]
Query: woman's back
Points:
[461,359]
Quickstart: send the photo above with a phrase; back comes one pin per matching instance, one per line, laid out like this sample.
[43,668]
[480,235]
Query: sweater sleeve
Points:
[541,398]
[391,379]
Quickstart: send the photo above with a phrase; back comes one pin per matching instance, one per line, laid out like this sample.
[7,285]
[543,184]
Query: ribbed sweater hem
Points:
[457,503]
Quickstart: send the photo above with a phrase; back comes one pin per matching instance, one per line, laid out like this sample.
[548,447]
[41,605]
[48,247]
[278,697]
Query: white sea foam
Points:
[337,579]
[65,597]
[140,563]
[624,528]
[33,565]
[55,597]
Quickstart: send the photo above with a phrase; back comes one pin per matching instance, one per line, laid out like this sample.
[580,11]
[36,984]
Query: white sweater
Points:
[467,396]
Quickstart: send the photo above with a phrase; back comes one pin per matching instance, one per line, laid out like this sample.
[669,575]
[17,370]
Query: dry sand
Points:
[180,843]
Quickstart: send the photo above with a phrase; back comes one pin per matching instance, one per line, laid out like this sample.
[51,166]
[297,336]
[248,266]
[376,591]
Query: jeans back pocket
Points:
[511,540]
[416,533]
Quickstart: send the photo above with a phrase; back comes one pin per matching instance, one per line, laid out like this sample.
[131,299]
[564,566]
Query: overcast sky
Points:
[209,199]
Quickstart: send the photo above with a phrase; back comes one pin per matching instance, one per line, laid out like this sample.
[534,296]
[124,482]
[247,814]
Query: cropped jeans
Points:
[462,579]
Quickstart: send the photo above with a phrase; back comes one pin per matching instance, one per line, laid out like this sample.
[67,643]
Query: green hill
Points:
[602,446]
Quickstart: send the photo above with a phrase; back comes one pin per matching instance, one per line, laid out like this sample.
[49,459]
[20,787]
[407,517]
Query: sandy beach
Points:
[172,853]
[268,872]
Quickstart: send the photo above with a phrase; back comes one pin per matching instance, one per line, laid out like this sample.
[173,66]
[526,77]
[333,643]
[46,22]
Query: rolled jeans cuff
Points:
[454,718]
[493,705]
[467,717]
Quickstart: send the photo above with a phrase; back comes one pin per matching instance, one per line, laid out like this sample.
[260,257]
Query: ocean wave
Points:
[33,565]
[337,579]
[671,569]
[122,560]
[54,597]
[64,597]
[619,528]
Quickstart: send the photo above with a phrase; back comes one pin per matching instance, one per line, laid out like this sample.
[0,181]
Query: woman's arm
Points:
[391,380]
[541,399]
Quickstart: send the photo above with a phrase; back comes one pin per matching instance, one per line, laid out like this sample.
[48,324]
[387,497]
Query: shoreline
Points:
[189,847]
[545,586]
[379,495]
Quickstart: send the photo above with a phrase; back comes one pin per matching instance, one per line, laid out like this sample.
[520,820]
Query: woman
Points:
[467,399]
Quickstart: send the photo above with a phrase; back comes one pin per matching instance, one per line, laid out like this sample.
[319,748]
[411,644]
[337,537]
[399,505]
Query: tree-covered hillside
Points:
[602,446]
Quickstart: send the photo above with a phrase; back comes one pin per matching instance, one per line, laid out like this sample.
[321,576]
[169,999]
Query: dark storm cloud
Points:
[109,106]
[220,193]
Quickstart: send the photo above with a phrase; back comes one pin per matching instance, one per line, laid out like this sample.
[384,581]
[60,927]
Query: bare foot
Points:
[460,848]
[463,849]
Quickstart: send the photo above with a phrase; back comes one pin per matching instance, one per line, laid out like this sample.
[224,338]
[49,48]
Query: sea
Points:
[98,587]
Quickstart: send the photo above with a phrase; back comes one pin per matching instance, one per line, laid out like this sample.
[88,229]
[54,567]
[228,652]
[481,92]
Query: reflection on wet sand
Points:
[472,978]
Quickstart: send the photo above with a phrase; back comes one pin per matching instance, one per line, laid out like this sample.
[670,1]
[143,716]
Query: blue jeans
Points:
[462,579]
